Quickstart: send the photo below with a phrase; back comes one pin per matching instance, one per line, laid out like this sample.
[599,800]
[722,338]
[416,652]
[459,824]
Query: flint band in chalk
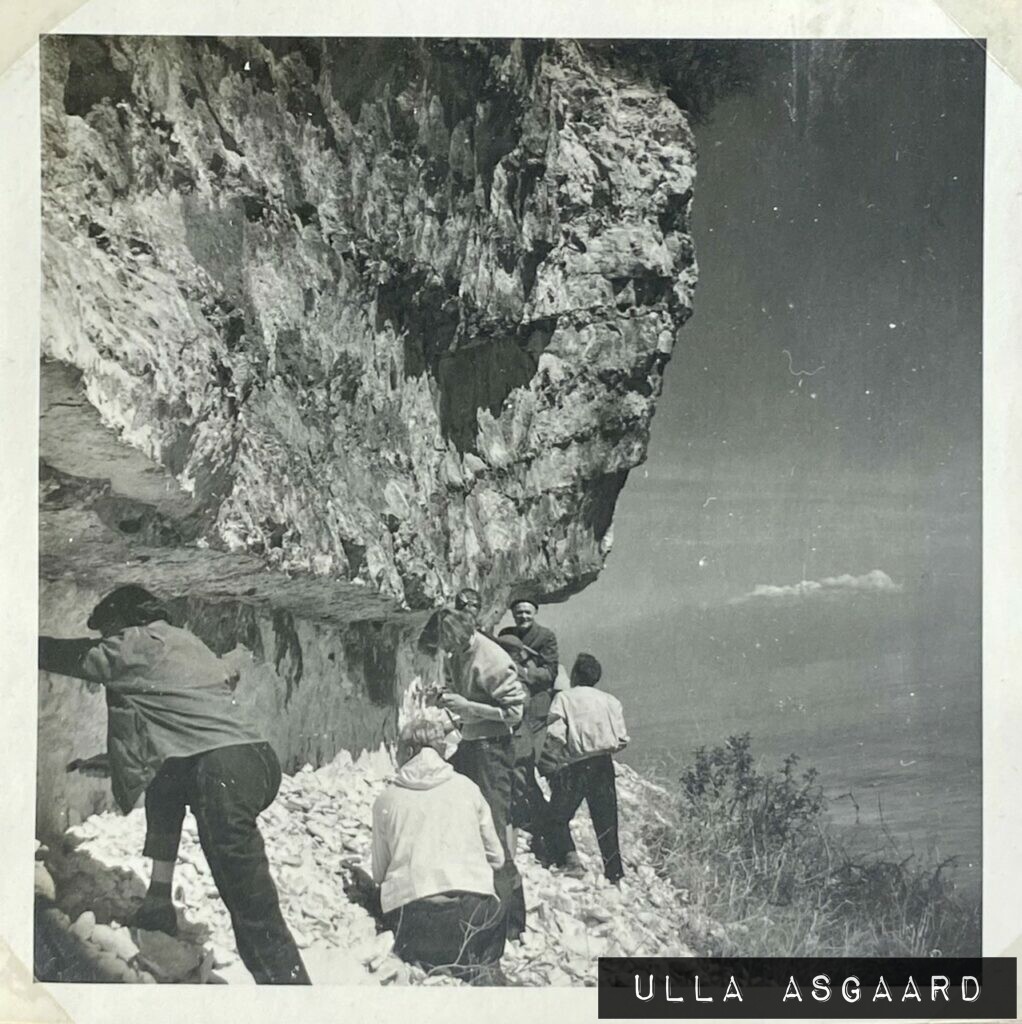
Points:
[779,988]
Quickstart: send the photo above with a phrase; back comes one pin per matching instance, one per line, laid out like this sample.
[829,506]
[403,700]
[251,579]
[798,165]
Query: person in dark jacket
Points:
[176,733]
[536,656]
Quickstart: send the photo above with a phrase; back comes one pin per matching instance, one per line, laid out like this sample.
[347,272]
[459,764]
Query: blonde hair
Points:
[416,735]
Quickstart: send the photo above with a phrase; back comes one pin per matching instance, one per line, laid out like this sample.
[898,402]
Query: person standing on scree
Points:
[176,733]
[481,689]
[536,655]
[586,728]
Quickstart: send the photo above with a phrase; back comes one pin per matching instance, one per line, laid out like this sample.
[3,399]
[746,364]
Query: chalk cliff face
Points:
[392,313]
[363,322]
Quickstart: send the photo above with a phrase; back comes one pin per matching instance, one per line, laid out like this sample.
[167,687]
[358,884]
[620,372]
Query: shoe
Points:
[155,916]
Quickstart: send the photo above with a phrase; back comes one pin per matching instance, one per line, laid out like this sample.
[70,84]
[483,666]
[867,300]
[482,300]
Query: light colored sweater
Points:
[588,722]
[432,833]
[168,695]
[488,677]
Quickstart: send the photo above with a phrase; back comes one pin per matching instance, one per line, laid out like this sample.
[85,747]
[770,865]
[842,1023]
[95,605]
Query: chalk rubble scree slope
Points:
[319,823]
[329,330]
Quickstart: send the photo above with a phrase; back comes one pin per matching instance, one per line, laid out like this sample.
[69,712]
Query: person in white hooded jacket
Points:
[434,853]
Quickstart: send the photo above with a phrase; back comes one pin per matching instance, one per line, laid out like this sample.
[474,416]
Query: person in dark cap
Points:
[536,658]
[176,734]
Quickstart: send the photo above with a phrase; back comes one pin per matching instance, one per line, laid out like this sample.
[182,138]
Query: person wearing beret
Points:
[537,660]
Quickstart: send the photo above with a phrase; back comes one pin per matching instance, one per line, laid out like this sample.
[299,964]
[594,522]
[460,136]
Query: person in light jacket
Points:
[481,690]
[176,733]
[434,853]
[586,728]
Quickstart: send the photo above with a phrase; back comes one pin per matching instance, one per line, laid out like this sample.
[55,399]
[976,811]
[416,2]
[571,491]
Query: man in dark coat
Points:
[537,668]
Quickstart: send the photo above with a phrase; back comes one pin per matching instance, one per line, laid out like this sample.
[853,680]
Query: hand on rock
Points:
[97,767]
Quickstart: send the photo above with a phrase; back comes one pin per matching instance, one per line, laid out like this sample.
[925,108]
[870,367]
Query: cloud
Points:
[874,582]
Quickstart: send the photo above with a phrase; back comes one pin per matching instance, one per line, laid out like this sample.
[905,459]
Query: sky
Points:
[821,414]
[838,217]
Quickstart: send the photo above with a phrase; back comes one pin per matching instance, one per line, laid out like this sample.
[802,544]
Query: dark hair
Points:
[447,629]
[126,606]
[467,596]
[586,671]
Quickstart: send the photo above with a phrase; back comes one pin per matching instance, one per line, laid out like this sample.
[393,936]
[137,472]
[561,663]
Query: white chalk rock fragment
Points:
[116,941]
[223,956]
[44,885]
[83,926]
[109,966]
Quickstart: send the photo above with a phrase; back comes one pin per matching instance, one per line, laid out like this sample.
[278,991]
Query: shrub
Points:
[754,851]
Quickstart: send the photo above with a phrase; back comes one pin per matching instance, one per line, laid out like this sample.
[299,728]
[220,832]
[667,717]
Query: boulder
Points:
[84,925]
[117,941]
[44,884]
[168,959]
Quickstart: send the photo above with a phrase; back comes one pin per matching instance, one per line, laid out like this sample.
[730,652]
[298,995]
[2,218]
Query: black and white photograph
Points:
[505,502]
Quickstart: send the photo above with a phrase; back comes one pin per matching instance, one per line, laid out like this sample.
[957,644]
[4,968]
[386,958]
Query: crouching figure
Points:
[176,734]
[434,853]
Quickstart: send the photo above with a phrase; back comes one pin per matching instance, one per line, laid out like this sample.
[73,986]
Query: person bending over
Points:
[176,733]
[434,853]
[480,688]
[586,728]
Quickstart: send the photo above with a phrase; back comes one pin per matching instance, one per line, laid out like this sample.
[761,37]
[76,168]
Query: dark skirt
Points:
[449,930]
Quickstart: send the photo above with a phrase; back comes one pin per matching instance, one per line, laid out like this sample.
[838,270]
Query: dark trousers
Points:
[591,780]
[226,789]
[489,763]
[528,805]
[451,929]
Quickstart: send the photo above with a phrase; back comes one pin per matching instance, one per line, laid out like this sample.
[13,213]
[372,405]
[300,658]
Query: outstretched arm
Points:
[66,657]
